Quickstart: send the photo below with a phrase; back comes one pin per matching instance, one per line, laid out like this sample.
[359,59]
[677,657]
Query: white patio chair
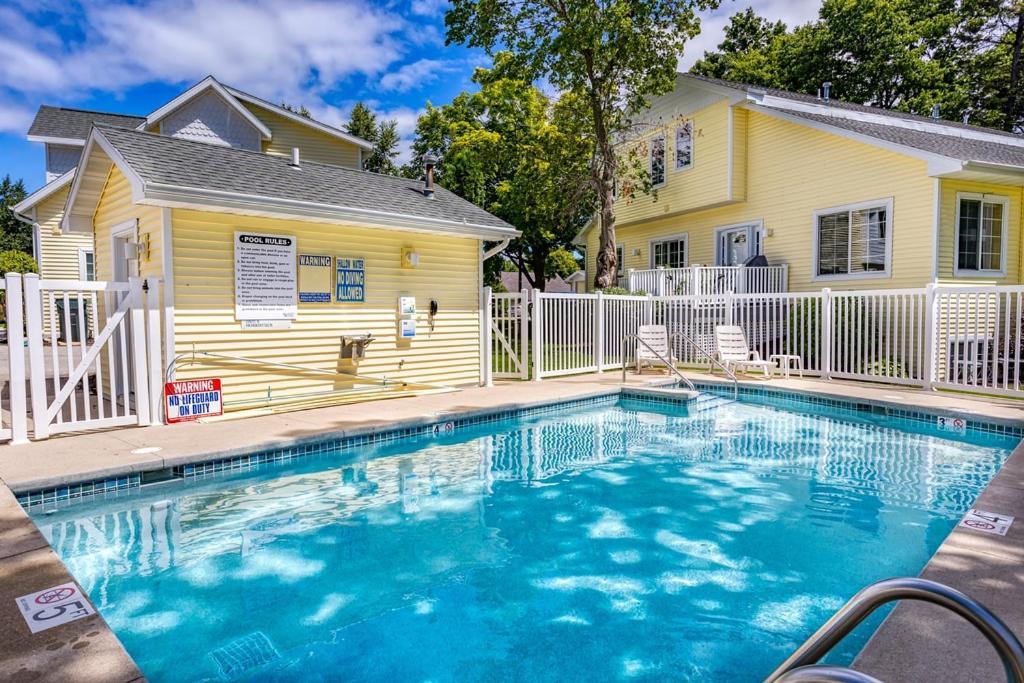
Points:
[656,336]
[735,354]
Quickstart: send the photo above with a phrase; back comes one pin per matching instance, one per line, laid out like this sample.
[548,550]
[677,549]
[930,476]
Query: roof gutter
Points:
[161,194]
[990,166]
[495,250]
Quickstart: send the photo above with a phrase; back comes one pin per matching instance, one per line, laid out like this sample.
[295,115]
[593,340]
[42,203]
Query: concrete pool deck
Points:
[913,644]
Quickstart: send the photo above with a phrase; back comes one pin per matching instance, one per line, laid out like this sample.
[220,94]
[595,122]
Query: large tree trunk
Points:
[538,264]
[607,261]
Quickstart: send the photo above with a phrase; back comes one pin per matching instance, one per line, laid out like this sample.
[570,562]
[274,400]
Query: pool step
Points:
[705,401]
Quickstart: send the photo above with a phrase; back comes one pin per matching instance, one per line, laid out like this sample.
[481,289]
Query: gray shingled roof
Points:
[75,124]
[953,146]
[196,165]
[848,106]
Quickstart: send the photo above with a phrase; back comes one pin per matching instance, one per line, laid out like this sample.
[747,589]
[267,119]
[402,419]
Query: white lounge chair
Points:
[656,336]
[735,354]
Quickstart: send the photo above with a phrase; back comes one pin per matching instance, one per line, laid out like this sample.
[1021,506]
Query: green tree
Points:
[963,55]
[742,54]
[562,263]
[614,55]
[362,122]
[301,111]
[510,150]
[14,232]
[385,149]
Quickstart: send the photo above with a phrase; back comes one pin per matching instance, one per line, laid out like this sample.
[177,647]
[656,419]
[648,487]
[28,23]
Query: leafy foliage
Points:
[384,135]
[301,111]
[512,151]
[14,261]
[561,262]
[963,55]
[14,233]
[612,56]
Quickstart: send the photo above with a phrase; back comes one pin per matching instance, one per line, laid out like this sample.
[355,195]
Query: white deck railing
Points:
[709,280]
[952,337]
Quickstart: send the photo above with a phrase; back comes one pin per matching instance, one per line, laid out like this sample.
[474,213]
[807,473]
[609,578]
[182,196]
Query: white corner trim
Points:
[167,249]
[297,118]
[208,83]
[888,203]
[729,144]
[50,140]
[1003,236]
[45,191]
[937,227]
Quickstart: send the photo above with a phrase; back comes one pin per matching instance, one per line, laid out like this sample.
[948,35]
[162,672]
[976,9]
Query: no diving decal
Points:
[54,606]
[987,522]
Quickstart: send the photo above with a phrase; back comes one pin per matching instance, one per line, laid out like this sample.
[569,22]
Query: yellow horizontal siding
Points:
[793,171]
[313,144]
[204,307]
[116,208]
[947,231]
[58,251]
[705,183]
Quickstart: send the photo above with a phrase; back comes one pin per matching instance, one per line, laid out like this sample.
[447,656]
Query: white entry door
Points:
[737,243]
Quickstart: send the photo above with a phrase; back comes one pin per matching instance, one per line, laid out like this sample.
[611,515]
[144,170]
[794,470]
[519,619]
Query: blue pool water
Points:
[624,541]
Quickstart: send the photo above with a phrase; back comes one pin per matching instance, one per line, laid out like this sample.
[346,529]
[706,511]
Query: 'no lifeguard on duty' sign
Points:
[192,399]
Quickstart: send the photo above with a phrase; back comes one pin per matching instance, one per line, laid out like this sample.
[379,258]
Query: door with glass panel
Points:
[736,244]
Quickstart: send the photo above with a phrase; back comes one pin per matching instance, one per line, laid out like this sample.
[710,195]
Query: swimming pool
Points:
[622,540]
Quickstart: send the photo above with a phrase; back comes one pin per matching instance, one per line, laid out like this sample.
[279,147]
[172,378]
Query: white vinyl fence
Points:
[966,338]
[89,352]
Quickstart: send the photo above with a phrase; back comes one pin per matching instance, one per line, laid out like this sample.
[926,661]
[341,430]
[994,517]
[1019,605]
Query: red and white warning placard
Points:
[192,399]
[54,606]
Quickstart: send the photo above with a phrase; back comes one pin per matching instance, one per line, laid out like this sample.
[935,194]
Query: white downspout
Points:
[497,249]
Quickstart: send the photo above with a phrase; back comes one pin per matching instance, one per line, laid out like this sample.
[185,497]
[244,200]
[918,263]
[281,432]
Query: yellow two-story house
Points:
[831,194]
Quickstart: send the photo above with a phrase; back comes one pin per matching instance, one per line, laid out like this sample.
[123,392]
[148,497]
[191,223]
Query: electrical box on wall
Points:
[406,317]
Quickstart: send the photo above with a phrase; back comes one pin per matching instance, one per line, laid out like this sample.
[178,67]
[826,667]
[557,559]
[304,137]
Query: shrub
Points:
[17,262]
[622,291]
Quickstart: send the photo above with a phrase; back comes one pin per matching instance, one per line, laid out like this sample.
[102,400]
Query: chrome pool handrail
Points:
[669,364]
[714,361]
[869,599]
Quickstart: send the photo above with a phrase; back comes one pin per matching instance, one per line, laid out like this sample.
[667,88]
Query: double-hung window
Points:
[620,256]
[854,240]
[981,234]
[658,160]
[684,145]
[86,264]
[669,253]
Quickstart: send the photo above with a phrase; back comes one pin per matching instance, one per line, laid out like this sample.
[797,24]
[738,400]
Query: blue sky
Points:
[133,56]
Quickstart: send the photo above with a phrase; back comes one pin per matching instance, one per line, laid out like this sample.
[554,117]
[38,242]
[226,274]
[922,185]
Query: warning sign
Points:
[192,399]
[54,606]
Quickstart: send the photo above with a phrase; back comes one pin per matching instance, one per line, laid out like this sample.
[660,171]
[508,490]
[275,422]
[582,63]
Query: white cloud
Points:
[413,75]
[428,8]
[713,23]
[275,48]
[14,119]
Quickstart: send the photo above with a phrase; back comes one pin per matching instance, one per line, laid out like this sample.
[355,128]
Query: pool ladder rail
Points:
[802,667]
[671,366]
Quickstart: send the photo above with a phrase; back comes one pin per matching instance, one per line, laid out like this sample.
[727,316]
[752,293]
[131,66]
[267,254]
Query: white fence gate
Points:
[91,352]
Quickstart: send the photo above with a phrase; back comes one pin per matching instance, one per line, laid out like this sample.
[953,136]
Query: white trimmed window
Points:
[684,145]
[669,253]
[86,264]
[657,160]
[853,241]
[620,257]
[981,233]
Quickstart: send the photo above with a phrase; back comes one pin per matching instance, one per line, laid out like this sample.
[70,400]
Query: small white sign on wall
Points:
[987,522]
[54,606]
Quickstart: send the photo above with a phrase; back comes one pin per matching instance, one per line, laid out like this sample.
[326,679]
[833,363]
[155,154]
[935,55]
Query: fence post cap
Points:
[35,275]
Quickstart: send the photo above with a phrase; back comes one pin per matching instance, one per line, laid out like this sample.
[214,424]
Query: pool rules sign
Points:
[265,279]
[192,399]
